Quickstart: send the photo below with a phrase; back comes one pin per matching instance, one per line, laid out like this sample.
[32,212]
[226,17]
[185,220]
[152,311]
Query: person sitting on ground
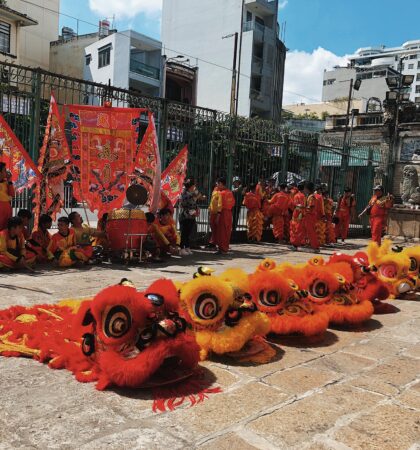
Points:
[13,253]
[63,245]
[40,240]
[84,234]
[26,217]
[102,241]
[165,234]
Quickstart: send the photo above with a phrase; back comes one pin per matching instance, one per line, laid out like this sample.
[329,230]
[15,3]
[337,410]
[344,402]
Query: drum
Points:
[122,222]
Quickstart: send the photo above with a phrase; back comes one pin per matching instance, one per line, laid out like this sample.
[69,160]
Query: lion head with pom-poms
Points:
[120,338]
[331,289]
[277,293]
[393,268]
[413,253]
[221,314]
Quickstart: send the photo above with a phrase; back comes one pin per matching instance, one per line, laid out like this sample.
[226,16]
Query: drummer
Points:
[165,234]
[84,234]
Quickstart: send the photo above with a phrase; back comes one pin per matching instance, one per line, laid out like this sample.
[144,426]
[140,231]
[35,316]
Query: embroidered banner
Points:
[174,175]
[104,142]
[53,164]
[148,165]
[24,171]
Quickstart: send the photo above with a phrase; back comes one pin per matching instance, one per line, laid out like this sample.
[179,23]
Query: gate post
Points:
[35,115]
[163,130]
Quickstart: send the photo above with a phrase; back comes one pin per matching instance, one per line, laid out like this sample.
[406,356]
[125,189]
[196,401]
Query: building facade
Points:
[26,30]
[373,65]
[127,60]
[204,32]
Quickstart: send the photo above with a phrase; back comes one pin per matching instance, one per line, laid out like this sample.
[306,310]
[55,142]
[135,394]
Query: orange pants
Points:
[278,227]
[6,262]
[221,226]
[6,213]
[377,225]
[330,232]
[342,228]
[297,232]
[321,231]
[310,222]
[287,222]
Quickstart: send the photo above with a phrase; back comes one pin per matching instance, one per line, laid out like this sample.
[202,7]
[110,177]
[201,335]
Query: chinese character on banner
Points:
[53,164]
[174,175]
[148,165]
[20,164]
[104,143]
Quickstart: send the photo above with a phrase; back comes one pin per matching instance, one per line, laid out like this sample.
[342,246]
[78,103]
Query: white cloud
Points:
[125,9]
[282,4]
[304,74]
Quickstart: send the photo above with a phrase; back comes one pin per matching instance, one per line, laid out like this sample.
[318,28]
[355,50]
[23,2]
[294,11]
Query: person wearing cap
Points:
[238,193]
[377,209]
[346,207]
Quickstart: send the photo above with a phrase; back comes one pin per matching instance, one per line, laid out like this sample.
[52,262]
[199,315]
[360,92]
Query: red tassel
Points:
[190,392]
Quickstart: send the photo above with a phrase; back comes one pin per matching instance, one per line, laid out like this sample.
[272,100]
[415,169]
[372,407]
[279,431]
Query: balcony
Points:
[262,7]
[257,28]
[144,69]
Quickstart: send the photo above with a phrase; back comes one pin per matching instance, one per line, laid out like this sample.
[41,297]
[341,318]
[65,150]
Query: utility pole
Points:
[240,57]
[234,73]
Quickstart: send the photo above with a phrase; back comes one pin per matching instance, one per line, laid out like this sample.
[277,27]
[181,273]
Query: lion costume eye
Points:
[117,322]
[269,298]
[319,289]
[206,307]
[413,264]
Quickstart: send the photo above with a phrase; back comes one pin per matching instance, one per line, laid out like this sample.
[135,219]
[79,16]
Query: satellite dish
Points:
[137,195]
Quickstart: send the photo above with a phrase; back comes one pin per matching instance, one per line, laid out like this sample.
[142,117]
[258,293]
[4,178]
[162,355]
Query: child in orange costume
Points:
[7,192]
[255,218]
[13,254]
[40,240]
[221,204]
[164,233]
[279,207]
[63,245]
[297,225]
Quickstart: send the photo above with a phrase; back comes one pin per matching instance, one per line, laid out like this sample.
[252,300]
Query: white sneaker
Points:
[184,252]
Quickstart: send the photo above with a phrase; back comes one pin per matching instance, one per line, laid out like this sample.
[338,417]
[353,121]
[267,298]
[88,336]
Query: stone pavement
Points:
[356,389]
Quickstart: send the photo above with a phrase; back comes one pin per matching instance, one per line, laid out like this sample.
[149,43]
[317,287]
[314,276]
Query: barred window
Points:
[4,37]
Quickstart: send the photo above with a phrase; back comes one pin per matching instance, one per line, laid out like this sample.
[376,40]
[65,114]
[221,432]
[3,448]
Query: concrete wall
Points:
[34,41]
[68,58]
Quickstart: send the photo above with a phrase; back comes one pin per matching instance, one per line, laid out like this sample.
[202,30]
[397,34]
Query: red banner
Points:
[24,171]
[104,142]
[148,165]
[53,164]
[174,175]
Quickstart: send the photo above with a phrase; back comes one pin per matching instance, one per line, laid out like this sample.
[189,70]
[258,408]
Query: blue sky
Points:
[319,33]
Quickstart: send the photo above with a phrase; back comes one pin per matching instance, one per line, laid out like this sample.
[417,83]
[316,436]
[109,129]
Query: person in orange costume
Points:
[378,208]
[279,207]
[40,240]
[220,208]
[255,218]
[63,245]
[84,234]
[297,226]
[13,253]
[292,190]
[26,217]
[329,212]
[320,225]
[7,192]
[345,209]
[164,233]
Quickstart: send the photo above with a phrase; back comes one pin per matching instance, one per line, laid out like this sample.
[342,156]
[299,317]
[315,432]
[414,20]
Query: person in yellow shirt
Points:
[12,247]
[7,192]
[84,234]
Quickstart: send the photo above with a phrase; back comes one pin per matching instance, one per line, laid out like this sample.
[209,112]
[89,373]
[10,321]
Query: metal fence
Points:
[219,145]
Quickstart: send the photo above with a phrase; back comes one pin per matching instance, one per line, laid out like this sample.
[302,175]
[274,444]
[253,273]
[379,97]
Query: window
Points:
[418,65]
[417,99]
[104,56]
[88,59]
[418,77]
[418,89]
[413,56]
[411,66]
[329,82]
[249,16]
[4,37]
